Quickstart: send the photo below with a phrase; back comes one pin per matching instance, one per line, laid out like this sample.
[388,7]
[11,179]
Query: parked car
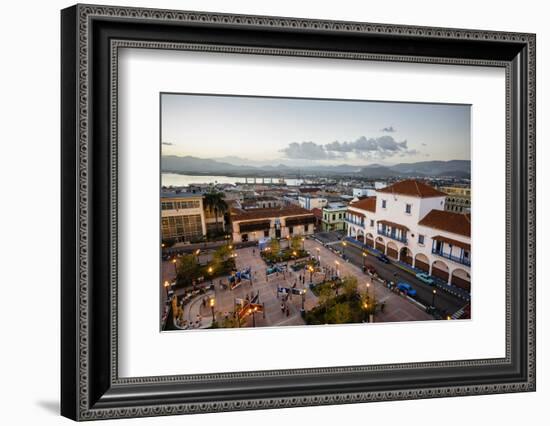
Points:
[407,289]
[424,277]
[383,258]
[370,269]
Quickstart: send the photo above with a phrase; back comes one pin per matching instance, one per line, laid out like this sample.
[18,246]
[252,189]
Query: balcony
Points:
[393,235]
[457,259]
[355,222]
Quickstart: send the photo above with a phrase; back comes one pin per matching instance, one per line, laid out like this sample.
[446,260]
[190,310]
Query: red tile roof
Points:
[413,188]
[455,223]
[256,214]
[318,213]
[368,203]
[452,241]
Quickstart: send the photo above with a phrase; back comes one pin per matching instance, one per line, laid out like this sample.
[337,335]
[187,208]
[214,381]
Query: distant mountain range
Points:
[235,166]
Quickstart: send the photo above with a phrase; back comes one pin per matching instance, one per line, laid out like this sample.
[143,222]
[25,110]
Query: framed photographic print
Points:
[265,212]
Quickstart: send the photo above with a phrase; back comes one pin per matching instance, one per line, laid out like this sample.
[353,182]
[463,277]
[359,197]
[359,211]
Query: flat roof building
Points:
[182,217]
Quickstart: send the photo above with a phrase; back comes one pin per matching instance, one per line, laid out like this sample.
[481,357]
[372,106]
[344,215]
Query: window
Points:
[408,208]
[333,217]
[306,227]
[421,239]
[291,230]
[266,233]
[383,204]
[371,222]
[339,215]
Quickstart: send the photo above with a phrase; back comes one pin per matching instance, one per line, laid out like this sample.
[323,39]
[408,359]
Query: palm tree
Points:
[214,202]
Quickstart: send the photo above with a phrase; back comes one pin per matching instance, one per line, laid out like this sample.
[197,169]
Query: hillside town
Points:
[265,252]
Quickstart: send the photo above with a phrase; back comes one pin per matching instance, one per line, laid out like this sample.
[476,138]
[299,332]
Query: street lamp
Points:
[318,254]
[303,241]
[337,270]
[310,274]
[303,300]
[364,260]
[175,262]
[433,297]
[344,244]
[210,270]
[166,285]
[212,304]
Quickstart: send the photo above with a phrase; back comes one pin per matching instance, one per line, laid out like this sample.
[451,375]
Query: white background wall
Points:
[29,213]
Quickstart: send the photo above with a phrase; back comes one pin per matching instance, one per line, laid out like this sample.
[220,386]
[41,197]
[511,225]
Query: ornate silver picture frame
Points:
[91,37]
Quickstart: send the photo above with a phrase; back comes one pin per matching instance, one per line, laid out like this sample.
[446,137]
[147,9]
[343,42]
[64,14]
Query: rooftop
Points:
[413,188]
[256,214]
[173,194]
[308,190]
[455,223]
[368,203]
[335,206]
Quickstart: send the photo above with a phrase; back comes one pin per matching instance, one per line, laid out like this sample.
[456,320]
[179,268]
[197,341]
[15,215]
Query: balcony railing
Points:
[355,222]
[463,260]
[392,235]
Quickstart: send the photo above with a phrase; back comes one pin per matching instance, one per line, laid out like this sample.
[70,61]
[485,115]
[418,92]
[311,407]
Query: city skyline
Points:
[301,132]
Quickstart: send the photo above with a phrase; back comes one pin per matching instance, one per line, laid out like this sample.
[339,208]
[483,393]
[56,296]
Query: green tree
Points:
[274,246]
[325,294]
[214,202]
[188,270]
[222,253]
[340,313]
[350,287]
[296,243]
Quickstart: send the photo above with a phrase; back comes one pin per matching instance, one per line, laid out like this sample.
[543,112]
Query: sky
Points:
[312,131]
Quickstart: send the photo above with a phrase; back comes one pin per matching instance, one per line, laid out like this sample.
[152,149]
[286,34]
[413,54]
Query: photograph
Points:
[282,211]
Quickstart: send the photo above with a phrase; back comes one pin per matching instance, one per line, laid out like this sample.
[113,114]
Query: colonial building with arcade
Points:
[408,222]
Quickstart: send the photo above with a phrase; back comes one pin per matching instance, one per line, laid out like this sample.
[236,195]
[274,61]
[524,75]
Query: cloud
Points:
[306,150]
[363,147]
[364,144]
[168,143]
[390,129]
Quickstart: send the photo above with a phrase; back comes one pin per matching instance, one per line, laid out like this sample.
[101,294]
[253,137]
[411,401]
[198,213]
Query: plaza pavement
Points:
[397,308]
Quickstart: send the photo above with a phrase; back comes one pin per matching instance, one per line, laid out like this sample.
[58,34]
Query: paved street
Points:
[445,302]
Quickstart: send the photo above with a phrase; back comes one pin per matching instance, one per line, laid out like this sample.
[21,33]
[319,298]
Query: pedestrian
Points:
[283,308]
[253,252]
[287,311]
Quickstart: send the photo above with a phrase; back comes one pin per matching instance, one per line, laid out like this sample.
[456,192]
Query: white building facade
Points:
[309,202]
[407,222]
[255,225]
